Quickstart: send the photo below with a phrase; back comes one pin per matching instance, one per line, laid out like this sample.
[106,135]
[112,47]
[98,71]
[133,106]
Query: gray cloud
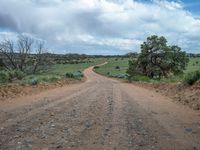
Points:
[99,26]
[7,22]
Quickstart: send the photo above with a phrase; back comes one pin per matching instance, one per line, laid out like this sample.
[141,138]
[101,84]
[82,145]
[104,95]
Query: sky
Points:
[102,26]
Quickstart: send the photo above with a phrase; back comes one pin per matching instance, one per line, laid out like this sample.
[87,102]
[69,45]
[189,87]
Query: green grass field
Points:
[110,69]
[58,71]
[116,67]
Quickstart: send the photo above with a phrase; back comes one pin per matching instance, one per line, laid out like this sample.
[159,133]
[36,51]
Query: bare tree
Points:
[26,56]
[38,55]
[7,49]
[25,44]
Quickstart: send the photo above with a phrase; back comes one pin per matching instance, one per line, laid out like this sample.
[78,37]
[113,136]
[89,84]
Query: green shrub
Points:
[8,76]
[54,78]
[192,77]
[122,76]
[78,75]
[69,75]
[34,82]
[16,74]
[96,67]
[19,74]
[4,77]
[117,67]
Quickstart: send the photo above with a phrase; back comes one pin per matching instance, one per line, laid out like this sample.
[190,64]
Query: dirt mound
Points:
[17,90]
[187,95]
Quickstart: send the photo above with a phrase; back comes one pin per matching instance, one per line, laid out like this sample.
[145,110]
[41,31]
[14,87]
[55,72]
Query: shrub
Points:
[78,75]
[54,78]
[122,76]
[192,77]
[4,77]
[19,74]
[96,67]
[8,76]
[117,67]
[69,75]
[50,78]
[16,74]
[34,82]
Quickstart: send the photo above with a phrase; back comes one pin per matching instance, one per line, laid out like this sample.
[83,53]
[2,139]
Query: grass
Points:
[116,67]
[58,72]
[193,65]
[110,70]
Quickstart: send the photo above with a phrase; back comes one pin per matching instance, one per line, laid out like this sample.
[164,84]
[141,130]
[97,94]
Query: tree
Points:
[157,59]
[7,49]
[38,55]
[25,44]
[24,55]
[132,71]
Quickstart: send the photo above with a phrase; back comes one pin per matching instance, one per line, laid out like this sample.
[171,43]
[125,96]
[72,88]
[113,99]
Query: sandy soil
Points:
[99,114]
[11,91]
[178,92]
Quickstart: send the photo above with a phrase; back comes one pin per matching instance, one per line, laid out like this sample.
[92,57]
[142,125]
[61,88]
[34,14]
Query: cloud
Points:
[100,26]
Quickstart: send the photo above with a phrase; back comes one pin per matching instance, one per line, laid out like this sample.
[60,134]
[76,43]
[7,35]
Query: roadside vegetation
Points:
[27,61]
[156,63]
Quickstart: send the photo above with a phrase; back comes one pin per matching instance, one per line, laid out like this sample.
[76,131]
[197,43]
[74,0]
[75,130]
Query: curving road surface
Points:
[99,114]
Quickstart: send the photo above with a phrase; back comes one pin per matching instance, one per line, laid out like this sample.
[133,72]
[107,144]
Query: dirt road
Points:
[100,114]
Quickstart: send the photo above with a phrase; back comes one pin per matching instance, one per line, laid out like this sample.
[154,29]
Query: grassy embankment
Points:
[116,67]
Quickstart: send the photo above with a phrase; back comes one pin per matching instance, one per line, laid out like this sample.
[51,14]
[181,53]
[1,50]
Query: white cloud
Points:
[113,25]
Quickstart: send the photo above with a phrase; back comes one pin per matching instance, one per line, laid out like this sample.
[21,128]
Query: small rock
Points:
[19,143]
[188,129]
[59,146]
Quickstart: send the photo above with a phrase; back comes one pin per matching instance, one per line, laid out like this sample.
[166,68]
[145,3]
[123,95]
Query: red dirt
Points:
[100,114]
[11,91]
[184,94]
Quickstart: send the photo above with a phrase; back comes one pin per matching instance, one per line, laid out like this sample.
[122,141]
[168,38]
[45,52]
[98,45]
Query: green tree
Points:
[157,59]
[132,71]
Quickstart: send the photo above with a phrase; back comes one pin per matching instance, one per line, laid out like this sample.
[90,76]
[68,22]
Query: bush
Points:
[117,67]
[69,75]
[192,77]
[96,67]
[122,76]
[16,74]
[8,76]
[4,77]
[50,78]
[54,78]
[19,74]
[78,75]
[34,82]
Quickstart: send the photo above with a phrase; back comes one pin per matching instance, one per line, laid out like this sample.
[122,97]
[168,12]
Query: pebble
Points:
[188,129]
[19,143]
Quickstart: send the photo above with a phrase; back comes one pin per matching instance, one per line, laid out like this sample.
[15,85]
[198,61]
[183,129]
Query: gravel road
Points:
[99,114]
